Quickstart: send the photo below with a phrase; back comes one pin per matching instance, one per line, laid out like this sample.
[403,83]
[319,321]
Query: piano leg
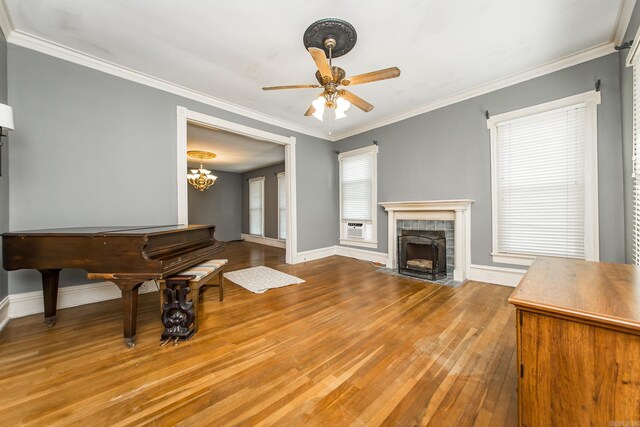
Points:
[129,290]
[50,293]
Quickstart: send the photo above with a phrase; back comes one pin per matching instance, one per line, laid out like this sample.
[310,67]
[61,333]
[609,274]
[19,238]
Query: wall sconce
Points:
[6,122]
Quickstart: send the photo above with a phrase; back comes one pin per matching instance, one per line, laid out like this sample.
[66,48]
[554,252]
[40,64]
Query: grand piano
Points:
[126,256]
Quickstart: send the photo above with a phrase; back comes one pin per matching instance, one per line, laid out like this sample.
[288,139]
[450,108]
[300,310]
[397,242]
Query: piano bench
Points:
[177,315]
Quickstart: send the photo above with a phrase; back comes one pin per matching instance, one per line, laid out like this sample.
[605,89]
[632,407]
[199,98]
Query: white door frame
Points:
[187,116]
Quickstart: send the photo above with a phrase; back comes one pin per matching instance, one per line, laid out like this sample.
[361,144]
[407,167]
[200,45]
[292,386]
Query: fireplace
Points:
[422,253]
[458,212]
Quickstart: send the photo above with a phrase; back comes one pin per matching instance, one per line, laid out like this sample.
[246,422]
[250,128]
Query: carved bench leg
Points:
[178,313]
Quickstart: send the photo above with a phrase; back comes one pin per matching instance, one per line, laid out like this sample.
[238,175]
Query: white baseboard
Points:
[268,241]
[4,312]
[341,251]
[497,275]
[362,254]
[28,303]
[314,254]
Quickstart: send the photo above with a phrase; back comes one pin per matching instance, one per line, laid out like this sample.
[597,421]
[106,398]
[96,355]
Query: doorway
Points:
[186,117]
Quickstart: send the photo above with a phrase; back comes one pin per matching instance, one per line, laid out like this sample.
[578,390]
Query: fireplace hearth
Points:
[422,253]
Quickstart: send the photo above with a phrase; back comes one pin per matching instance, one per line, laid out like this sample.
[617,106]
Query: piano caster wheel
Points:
[50,321]
[131,344]
[176,341]
[165,342]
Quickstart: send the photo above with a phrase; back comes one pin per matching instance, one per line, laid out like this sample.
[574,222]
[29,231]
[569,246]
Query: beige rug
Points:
[260,279]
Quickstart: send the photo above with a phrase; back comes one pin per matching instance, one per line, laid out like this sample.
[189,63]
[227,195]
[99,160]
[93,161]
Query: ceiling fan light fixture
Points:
[342,105]
[318,104]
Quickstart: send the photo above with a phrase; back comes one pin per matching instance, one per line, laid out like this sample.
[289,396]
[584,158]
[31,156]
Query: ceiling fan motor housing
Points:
[338,75]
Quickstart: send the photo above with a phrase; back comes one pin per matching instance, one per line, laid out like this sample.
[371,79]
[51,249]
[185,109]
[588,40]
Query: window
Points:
[282,207]
[545,181]
[358,197]
[256,206]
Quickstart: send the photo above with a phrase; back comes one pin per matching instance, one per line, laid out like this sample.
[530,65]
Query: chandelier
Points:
[201,178]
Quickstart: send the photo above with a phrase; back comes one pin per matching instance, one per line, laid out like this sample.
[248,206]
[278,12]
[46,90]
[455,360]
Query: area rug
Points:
[260,279]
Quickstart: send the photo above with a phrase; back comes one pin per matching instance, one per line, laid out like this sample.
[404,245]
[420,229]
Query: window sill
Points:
[361,243]
[513,259]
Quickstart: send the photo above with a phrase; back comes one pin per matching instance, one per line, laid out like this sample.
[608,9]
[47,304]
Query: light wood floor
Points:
[351,346]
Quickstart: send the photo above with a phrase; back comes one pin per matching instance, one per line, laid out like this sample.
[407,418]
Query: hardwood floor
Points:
[351,346]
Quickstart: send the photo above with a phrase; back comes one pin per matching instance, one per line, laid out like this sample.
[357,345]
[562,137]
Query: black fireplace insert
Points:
[422,253]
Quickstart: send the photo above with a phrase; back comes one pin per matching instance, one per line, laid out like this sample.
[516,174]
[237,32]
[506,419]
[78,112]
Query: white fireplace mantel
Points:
[458,210]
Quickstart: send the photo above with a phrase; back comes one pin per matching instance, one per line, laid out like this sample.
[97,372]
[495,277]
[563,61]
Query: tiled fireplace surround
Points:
[452,216]
[432,225]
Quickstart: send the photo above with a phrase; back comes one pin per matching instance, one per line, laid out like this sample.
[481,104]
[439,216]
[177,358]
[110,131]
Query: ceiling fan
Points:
[327,39]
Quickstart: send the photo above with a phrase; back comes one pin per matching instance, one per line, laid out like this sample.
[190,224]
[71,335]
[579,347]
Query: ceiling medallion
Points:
[331,28]
[201,179]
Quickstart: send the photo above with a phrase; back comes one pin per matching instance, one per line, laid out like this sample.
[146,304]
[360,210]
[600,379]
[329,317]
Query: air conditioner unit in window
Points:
[355,229]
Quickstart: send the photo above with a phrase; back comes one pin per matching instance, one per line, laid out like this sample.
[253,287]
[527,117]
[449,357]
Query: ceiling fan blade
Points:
[321,62]
[310,111]
[356,100]
[290,87]
[387,73]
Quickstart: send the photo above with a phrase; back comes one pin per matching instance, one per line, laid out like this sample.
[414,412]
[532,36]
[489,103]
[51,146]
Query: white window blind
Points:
[282,207]
[540,184]
[256,203]
[357,173]
[636,162]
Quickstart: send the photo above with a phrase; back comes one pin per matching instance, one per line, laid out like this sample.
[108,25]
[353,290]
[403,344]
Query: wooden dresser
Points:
[578,332]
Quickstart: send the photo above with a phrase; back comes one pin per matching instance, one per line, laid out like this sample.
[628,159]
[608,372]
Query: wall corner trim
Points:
[4,312]
[5,20]
[624,17]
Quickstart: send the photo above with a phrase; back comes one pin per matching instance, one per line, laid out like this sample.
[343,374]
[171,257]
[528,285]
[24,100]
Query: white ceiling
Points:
[234,153]
[229,50]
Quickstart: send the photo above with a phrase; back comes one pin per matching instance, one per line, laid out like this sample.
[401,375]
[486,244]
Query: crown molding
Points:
[6,25]
[47,47]
[624,17]
[568,61]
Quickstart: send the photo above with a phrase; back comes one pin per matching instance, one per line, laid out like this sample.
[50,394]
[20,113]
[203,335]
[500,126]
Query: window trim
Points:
[261,180]
[373,223]
[284,182]
[633,60]
[591,228]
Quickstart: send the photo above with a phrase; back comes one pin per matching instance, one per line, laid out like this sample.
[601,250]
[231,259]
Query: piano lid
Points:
[103,230]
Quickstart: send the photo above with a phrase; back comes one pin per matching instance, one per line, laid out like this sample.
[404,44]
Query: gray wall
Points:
[219,205]
[4,179]
[97,149]
[270,198]
[445,154]
[626,99]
